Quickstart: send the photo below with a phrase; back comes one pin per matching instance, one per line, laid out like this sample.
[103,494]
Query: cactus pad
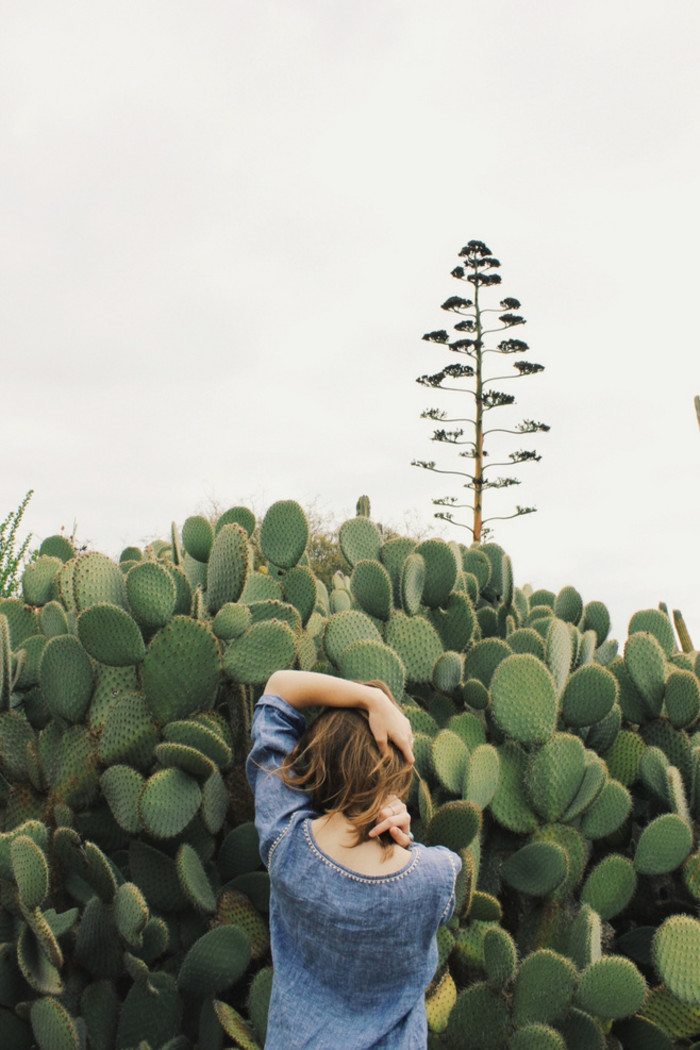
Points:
[152,594]
[214,962]
[268,646]
[413,574]
[284,533]
[657,623]
[664,845]
[168,802]
[66,678]
[371,586]
[450,758]
[646,663]
[555,774]
[110,635]
[536,869]
[53,1026]
[500,957]
[440,571]
[479,1020]
[93,578]
[682,698]
[588,696]
[610,886]
[524,699]
[454,825]
[544,987]
[568,605]
[675,950]
[194,880]
[373,661]
[38,579]
[237,516]
[360,539]
[611,988]
[511,805]
[299,589]
[227,569]
[197,537]
[122,786]
[482,776]
[180,669]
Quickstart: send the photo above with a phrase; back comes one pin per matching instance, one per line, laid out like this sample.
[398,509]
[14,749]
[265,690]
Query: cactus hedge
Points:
[133,904]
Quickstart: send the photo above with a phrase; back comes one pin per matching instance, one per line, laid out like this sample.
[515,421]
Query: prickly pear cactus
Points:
[563,768]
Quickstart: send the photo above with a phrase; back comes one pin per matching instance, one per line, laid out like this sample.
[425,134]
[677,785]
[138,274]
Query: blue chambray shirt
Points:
[353,954]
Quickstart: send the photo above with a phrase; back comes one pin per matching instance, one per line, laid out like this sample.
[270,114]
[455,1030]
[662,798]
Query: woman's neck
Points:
[337,837]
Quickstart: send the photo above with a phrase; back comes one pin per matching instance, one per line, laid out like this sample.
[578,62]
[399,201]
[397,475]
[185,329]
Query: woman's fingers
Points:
[395,818]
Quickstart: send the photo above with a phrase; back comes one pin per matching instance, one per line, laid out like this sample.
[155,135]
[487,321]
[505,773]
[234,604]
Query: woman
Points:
[353,913]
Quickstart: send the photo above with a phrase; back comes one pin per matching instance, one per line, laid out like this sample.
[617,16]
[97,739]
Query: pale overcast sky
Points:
[226,226]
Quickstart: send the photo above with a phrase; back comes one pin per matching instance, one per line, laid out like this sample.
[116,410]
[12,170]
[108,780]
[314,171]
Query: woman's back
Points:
[353,952]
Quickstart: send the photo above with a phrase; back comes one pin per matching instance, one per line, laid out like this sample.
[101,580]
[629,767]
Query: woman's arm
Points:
[309,689]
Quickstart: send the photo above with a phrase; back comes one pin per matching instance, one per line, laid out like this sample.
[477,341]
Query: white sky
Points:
[226,226]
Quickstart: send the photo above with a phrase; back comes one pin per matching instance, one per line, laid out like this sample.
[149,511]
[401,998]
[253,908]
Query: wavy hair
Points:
[338,762]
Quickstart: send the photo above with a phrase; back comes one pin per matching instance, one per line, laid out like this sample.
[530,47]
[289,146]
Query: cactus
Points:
[565,775]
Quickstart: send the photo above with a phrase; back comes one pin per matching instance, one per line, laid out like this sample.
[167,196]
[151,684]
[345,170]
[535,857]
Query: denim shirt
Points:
[353,954]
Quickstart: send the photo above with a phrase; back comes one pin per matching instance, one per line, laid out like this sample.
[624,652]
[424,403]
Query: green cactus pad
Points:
[555,773]
[340,600]
[588,695]
[447,673]
[454,825]
[188,759]
[580,1032]
[585,937]
[671,1015]
[477,563]
[151,593]
[30,870]
[197,537]
[239,852]
[413,575]
[110,635]
[469,727]
[449,757]
[156,876]
[536,869]
[482,776]
[99,1008]
[131,554]
[675,950]
[657,623]
[417,643]
[299,589]
[483,659]
[95,578]
[345,628]
[151,1014]
[559,651]
[259,587]
[480,1020]
[168,802]
[235,909]
[653,765]
[487,619]
[392,555]
[440,571]
[500,957]
[596,618]
[33,647]
[537,1037]
[525,640]
[268,646]
[360,539]
[194,881]
[237,516]
[202,737]
[38,579]
[129,734]
[371,586]
[611,988]
[21,621]
[568,605]
[373,661]
[544,987]
[663,845]
[232,621]
[214,802]
[284,534]
[524,699]
[272,609]
[58,546]
[181,669]
[130,914]
[475,695]
[227,569]
[510,805]
[673,742]
[66,678]
[214,962]
[610,886]
[53,1026]
[235,1026]
[608,812]
[576,849]
[646,663]
[121,787]
[623,758]
[455,623]
[682,698]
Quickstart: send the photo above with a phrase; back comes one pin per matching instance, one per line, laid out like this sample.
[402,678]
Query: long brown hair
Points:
[338,762]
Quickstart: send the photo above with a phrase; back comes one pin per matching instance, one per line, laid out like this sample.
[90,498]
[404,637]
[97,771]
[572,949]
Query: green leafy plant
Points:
[11,555]
[478,269]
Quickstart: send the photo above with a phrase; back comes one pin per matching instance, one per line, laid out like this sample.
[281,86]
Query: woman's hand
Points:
[395,819]
[388,723]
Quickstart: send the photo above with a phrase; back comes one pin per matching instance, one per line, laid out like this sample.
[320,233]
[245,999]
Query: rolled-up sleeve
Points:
[276,729]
